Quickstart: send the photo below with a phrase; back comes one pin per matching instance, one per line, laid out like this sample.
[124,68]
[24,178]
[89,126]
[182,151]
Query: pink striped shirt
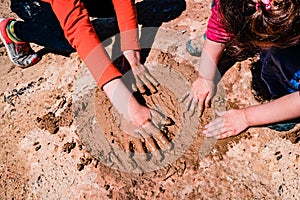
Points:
[215,29]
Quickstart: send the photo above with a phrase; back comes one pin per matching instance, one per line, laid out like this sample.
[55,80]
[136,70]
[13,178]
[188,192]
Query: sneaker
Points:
[20,53]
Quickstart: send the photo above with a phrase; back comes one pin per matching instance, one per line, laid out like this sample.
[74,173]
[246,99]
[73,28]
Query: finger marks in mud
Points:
[100,126]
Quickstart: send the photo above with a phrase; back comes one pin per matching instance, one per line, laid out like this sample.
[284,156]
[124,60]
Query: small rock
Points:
[80,167]
[68,147]
[38,147]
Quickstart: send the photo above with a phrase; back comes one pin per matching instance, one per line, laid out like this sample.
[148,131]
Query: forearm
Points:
[211,54]
[121,98]
[284,108]
[74,20]
[127,22]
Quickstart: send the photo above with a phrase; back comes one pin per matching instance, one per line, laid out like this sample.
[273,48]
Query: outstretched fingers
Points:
[159,136]
[208,100]
[147,83]
[226,134]
[159,119]
[145,80]
[152,80]
[133,142]
[189,100]
[192,101]
[139,85]
[218,129]
[149,141]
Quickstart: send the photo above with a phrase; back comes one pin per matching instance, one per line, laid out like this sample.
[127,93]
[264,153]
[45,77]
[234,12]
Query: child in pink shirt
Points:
[264,26]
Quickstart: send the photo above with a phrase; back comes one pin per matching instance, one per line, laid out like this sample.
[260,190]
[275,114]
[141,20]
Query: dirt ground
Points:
[62,139]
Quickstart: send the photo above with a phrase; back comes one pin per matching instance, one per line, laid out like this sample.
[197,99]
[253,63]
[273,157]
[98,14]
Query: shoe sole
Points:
[10,55]
[5,44]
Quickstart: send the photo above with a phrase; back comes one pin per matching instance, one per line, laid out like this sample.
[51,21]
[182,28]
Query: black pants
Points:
[281,70]
[40,25]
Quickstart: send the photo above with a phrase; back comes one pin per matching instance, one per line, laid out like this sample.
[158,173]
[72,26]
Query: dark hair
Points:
[256,27]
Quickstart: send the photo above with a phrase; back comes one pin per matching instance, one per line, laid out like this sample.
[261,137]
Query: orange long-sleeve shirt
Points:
[74,20]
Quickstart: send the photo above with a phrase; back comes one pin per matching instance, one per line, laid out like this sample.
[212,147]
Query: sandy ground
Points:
[62,139]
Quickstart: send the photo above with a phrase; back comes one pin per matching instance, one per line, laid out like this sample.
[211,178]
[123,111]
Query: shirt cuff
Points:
[130,40]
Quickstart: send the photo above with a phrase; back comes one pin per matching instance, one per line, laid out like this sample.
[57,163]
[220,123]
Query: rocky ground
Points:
[61,138]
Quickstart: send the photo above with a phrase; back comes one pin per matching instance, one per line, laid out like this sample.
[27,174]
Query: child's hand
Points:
[144,79]
[141,74]
[201,94]
[231,123]
[137,119]
[148,136]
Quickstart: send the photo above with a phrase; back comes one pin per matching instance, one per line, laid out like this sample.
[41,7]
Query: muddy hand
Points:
[157,128]
[137,136]
[151,131]
[159,119]
[191,102]
[141,74]
[132,140]
[159,136]
[143,139]
[144,79]
[229,124]
[199,96]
